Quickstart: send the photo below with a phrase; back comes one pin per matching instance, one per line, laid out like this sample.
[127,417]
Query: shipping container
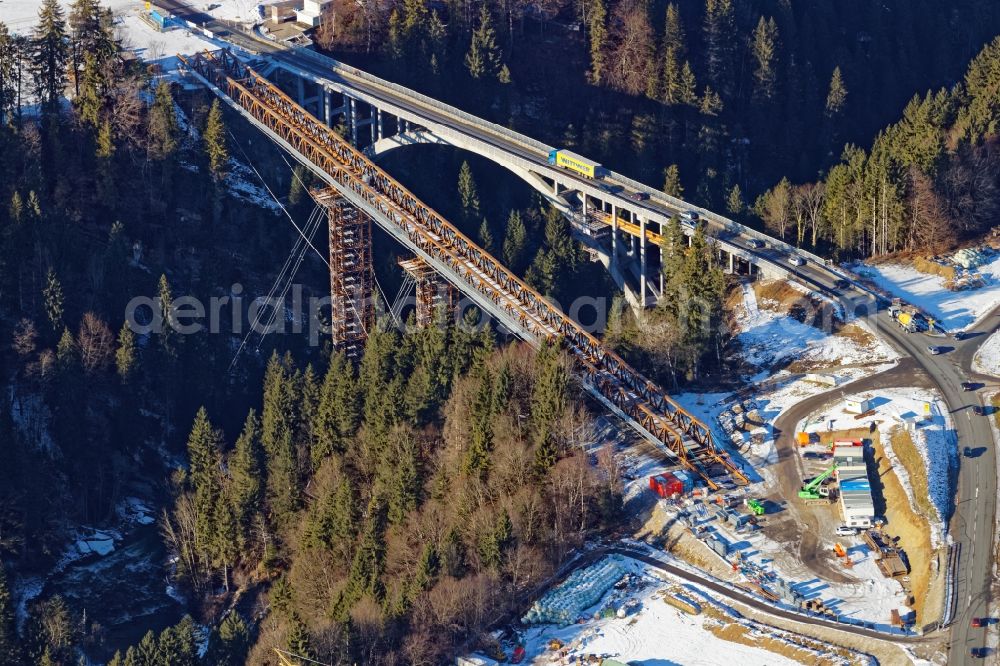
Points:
[666,485]
[858,406]
[803,438]
[686,479]
[574,162]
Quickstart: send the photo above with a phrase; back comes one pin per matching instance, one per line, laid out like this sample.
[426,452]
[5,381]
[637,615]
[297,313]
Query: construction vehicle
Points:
[815,490]
[755,507]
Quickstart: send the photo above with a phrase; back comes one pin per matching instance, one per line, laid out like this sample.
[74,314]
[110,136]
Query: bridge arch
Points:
[427,137]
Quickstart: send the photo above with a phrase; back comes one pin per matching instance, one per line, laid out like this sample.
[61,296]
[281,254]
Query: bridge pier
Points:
[352,120]
[379,127]
[642,260]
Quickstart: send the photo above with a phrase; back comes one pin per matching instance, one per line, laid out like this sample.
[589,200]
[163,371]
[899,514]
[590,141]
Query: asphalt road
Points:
[972,524]
[974,518]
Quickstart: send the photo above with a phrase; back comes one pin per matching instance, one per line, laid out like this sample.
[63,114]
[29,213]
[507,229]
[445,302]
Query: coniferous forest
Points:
[393,512]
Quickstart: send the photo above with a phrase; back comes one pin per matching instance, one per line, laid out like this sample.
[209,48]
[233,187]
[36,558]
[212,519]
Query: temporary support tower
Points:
[352,311]
[436,297]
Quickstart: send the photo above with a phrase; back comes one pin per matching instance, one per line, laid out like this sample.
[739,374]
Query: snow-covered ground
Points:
[954,310]
[769,336]
[21,15]
[987,360]
[652,633]
[927,419]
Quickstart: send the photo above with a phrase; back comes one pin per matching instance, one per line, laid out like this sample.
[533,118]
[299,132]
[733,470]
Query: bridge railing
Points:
[542,148]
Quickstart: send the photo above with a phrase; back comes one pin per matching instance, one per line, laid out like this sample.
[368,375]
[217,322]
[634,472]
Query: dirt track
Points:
[802,527]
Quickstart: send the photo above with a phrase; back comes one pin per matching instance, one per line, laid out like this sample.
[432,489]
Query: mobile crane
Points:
[815,489]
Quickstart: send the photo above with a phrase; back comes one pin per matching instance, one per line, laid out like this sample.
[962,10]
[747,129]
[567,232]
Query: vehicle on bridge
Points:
[755,243]
[796,260]
[690,217]
[574,162]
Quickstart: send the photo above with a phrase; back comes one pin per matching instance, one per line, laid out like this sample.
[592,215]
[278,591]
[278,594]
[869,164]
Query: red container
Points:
[666,485]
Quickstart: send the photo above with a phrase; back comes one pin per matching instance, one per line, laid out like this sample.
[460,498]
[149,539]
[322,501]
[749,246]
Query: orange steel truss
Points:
[436,296]
[606,373]
[352,312]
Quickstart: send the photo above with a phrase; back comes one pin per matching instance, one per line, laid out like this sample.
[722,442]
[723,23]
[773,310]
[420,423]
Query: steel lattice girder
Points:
[618,382]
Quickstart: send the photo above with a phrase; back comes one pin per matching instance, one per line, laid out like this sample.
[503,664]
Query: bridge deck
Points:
[470,268]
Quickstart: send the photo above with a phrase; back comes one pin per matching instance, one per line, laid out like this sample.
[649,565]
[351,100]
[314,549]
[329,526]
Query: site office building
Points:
[855,489]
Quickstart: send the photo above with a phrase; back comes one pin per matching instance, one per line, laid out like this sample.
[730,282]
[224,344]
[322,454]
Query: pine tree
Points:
[674,49]
[8,630]
[66,351]
[672,181]
[215,142]
[503,76]
[8,74]
[203,446]
[125,355]
[167,334]
[687,91]
[836,98]
[734,201]
[486,237]
[549,396]
[229,642]
[467,192]
[162,121]
[49,54]
[765,46]
[299,643]
[89,100]
[246,469]
[515,242]
[337,414]
[54,300]
[719,28]
[403,480]
[105,140]
[598,38]
[483,57]
[365,577]
[427,569]
[477,460]
[277,438]
[394,39]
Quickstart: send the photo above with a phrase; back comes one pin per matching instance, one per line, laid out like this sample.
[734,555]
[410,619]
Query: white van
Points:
[844,530]
[796,260]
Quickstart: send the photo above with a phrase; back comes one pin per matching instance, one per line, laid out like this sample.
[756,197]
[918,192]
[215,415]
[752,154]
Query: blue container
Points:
[685,478]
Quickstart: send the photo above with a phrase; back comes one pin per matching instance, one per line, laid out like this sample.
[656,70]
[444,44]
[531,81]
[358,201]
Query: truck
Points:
[814,490]
[576,163]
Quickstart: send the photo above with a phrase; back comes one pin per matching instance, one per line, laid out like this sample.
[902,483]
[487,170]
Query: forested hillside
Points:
[736,94]
[390,513]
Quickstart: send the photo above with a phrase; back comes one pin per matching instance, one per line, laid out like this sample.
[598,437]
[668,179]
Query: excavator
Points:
[815,489]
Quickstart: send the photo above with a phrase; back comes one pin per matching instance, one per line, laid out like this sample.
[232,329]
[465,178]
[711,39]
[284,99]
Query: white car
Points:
[796,260]
[844,530]
[755,243]
[690,216]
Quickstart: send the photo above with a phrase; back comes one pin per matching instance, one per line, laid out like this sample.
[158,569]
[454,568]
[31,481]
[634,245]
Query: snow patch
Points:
[987,360]
[954,310]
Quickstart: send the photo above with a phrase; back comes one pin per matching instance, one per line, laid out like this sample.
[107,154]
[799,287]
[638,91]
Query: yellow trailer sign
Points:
[574,162]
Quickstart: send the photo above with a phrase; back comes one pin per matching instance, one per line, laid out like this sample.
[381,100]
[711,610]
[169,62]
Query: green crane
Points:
[756,507]
[813,489]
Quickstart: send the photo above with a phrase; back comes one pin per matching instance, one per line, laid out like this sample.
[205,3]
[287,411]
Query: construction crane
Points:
[814,489]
